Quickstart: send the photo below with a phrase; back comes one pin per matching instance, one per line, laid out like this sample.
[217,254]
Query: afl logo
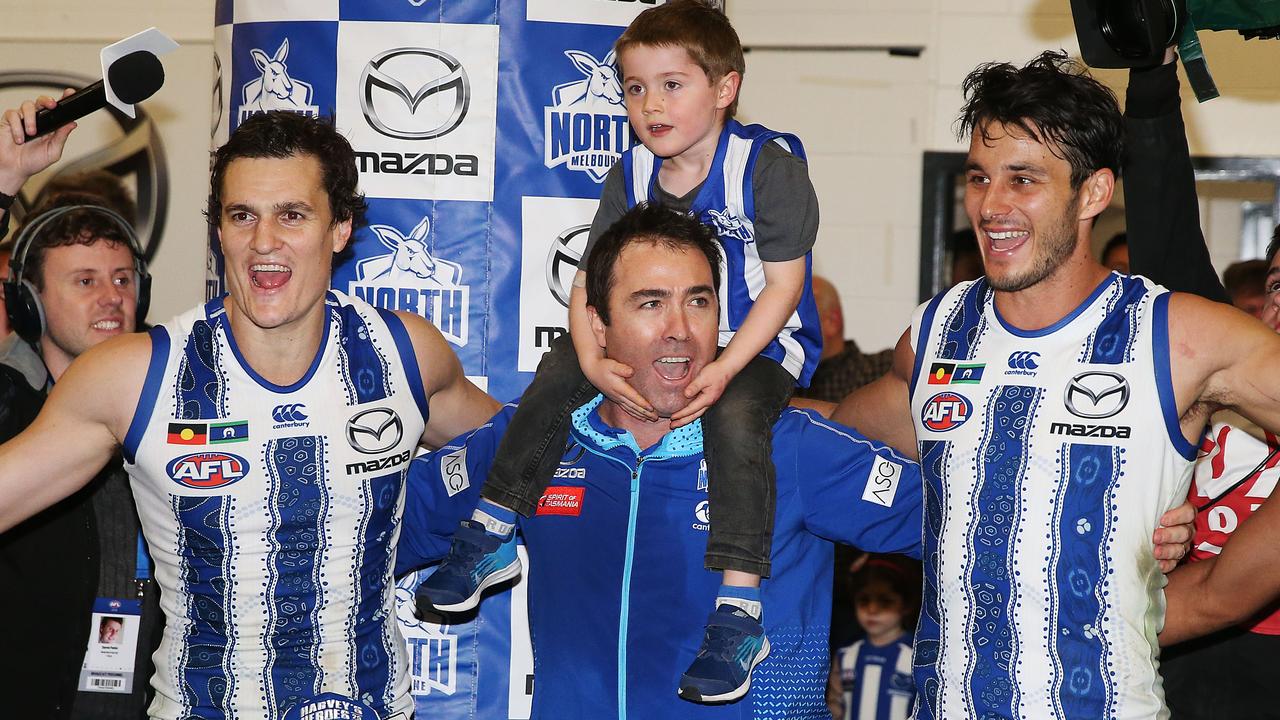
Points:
[945,411]
[207,470]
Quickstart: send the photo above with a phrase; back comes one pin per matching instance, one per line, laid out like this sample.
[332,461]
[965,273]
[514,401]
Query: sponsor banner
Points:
[444,102]
[423,258]
[419,103]
[593,12]
[445,660]
[553,234]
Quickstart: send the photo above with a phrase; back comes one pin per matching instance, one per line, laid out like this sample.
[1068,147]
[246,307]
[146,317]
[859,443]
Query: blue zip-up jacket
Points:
[618,595]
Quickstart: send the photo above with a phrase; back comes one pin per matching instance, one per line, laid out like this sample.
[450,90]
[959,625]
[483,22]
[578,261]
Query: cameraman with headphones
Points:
[76,278]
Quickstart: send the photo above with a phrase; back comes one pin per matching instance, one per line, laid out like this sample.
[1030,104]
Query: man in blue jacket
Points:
[618,539]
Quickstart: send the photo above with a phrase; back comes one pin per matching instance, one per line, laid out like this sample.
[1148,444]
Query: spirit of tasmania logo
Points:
[275,89]
[409,278]
[585,128]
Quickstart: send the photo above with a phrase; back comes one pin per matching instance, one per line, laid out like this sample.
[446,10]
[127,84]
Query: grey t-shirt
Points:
[786,222]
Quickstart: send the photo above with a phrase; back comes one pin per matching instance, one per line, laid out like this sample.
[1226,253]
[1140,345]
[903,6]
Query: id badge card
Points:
[113,645]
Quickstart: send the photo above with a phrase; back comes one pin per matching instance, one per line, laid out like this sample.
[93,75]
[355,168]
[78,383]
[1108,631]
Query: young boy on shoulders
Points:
[681,66]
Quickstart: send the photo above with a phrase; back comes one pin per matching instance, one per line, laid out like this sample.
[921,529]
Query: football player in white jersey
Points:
[282,211]
[1044,146]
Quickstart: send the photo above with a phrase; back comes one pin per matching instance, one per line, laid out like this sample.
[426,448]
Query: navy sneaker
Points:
[476,561]
[732,647]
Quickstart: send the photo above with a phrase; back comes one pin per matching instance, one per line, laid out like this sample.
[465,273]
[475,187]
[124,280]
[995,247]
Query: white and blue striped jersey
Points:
[1048,457]
[876,680]
[272,515]
[727,203]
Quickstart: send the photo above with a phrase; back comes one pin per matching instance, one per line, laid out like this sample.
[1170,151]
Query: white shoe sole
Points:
[469,603]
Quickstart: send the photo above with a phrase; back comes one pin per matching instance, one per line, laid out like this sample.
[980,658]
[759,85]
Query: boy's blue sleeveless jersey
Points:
[618,588]
[727,203]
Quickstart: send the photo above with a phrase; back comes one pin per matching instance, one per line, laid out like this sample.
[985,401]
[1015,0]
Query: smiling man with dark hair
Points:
[616,542]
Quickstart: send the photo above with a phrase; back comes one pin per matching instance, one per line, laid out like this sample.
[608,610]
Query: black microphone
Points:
[134,78]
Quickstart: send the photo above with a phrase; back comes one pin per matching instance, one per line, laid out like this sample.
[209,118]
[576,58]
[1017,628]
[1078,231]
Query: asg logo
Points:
[585,128]
[562,261]
[207,470]
[409,278]
[275,89]
[374,431]
[453,472]
[1024,360]
[289,415]
[1097,394]
[728,225]
[414,93]
[945,411]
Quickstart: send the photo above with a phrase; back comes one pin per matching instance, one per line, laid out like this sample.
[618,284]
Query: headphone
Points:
[22,300]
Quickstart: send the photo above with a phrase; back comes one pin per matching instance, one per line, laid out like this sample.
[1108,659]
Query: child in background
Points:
[681,64]
[871,679]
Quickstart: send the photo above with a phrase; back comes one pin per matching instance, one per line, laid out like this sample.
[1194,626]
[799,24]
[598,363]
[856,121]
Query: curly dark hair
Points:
[283,134]
[1055,101]
[653,223]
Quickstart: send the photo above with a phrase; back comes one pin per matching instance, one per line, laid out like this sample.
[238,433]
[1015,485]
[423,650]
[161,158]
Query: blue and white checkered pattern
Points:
[483,132]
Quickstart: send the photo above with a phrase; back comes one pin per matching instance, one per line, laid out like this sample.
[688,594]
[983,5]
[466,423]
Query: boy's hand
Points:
[610,377]
[704,391]
[21,158]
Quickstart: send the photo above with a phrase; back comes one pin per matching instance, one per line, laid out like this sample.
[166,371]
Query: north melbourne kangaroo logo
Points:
[729,225]
[586,125]
[275,90]
[410,278]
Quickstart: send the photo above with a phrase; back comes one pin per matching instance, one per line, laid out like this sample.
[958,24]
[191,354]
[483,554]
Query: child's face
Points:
[879,609]
[675,109]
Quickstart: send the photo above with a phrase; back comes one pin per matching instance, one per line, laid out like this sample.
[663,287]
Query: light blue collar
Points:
[684,441]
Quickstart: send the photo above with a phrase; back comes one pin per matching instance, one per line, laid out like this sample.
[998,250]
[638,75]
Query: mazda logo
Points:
[562,261]
[374,431]
[414,93]
[137,153]
[1097,394]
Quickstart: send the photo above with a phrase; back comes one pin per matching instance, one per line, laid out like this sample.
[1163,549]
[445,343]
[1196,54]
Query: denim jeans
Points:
[740,473]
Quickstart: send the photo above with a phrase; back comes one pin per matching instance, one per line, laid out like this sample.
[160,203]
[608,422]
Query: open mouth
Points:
[1008,240]
[107,325]
[659,129]
[269,276]
[672,367]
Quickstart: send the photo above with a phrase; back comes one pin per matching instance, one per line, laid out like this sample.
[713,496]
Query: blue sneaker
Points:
[476,561]
[732,647]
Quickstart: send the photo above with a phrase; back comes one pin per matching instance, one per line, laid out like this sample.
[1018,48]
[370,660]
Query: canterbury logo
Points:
[1024,360]
[289,413]
[374,431]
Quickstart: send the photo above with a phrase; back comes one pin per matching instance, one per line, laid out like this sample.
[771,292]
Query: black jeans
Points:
[738,442]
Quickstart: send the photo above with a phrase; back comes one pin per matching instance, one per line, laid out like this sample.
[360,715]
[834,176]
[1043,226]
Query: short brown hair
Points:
[700,29]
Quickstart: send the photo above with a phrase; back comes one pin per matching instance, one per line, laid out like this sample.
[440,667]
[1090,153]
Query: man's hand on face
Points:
[703,392]
[1173,538]
[21,158]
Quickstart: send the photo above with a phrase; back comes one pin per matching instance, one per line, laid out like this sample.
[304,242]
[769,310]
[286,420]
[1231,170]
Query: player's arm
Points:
[1221,357]
[882,409]
[85,418]
[455,404]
